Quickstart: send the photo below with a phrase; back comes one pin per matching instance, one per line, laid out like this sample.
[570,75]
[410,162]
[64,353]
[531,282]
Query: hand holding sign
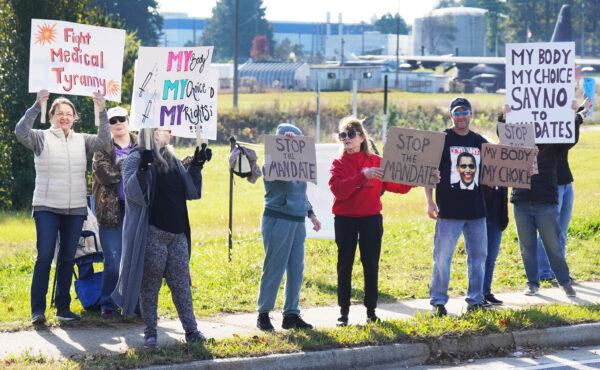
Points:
[373,173]
[42,101]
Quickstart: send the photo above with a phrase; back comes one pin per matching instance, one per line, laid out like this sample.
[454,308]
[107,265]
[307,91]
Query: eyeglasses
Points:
[63,114]
[350,134]
[459,113]
[465,166]
[114,120]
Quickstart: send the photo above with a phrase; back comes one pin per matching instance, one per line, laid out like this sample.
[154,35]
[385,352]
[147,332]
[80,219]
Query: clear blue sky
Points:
[353,11]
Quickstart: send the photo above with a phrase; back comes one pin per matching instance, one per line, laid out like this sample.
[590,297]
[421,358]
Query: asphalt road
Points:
[573,358]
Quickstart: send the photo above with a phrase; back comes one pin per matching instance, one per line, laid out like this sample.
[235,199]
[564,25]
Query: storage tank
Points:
[448,30]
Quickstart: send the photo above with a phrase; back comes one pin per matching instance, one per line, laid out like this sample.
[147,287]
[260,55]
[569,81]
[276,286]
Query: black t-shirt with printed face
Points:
[458,195]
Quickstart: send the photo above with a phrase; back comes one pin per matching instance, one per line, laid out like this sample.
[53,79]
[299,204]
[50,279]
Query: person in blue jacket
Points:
[283,234]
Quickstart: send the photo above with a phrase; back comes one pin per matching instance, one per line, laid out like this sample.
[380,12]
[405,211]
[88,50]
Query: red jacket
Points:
[353,194]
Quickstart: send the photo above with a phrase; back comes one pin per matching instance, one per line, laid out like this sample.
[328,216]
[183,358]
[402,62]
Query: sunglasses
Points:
[463,113]
[114,120]
[465,166]
[350,134]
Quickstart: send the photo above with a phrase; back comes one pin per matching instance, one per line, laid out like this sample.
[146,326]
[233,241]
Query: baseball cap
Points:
[117,112]
[460,102]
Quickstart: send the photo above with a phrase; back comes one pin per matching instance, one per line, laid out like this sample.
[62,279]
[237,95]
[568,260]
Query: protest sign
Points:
[410,156]
[76,59]
[518,135]
[540,88]
[290,158]
[589,90]
[320,195]
[507,166]
[172,89]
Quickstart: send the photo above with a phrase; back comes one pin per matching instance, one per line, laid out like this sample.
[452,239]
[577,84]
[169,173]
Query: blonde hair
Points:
[164,159]
[63,100]
[351,122]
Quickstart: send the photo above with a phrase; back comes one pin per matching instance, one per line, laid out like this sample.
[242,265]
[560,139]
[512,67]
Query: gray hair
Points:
[163,157]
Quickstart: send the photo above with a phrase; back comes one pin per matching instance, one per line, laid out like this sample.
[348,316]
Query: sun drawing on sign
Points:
[45,34]
[113,87]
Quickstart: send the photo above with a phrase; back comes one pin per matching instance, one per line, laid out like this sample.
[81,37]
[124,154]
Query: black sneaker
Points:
[38,319]
[194,337]
[475,307]
[342,321]
[66,316]
[371,316]
[294,321]
[264,322]
[150,341]
[439,310]
[491,299]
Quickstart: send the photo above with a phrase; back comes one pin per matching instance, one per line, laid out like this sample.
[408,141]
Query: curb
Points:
[403,354]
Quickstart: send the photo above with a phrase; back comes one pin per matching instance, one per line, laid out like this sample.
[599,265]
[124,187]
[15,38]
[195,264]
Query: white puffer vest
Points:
[60,171]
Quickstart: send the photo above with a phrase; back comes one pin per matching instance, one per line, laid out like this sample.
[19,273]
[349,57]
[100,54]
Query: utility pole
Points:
[583,28]
[396,84]
[236,41]
[342,57]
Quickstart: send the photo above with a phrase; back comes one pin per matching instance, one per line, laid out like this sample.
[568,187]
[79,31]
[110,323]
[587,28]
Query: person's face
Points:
[63,117]
[351,139]
[162,137]
[119,126]
[466,169]
[461,116]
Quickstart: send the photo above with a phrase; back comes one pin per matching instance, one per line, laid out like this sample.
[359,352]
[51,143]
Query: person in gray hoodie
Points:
[156,231]
[283,234]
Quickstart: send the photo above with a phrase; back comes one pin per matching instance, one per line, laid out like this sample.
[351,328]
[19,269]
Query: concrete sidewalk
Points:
[118,337]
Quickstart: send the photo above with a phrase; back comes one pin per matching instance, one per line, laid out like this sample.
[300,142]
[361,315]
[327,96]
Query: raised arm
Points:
[26,135]
[93,143]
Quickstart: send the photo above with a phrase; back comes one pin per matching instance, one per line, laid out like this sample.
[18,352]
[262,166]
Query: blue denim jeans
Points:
[447,232]
[494,238]
[48,226]
[284,252]
[565,210]
[533,218]
[111,241]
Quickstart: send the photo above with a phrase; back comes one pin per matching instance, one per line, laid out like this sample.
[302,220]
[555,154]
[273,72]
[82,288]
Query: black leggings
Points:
[368,232]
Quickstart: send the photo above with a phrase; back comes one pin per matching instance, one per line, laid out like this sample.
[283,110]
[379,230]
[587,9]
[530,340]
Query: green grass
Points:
[403,99]
[222,286]
[422,328]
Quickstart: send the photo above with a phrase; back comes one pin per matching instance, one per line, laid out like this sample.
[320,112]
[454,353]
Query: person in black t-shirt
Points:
[458,209]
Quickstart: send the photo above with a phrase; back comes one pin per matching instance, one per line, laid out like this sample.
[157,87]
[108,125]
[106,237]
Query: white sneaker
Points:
[531,290]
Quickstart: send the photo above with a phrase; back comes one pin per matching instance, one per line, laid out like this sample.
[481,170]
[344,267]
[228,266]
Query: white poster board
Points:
[76,59]
[540,88]
[172,89]
[319,194]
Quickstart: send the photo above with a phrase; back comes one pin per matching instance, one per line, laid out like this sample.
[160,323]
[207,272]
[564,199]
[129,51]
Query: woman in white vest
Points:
[59,198]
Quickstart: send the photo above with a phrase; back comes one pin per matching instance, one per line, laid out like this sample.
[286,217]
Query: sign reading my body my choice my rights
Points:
[540,88]
[175,88]
[76,59]
[290,158]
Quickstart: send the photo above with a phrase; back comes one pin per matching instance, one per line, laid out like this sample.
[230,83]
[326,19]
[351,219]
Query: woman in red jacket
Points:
[357,187]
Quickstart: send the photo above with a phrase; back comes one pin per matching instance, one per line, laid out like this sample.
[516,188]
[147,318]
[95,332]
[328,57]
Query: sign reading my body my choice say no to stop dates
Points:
[540,88]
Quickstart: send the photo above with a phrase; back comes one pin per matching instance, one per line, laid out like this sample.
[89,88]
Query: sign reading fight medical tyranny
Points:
[76,59]
[410,156]
[290,158]
[507,166]
[175,88]
[540,88]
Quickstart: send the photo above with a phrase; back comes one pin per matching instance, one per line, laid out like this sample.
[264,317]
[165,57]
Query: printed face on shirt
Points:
[465,162]
[466,167]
